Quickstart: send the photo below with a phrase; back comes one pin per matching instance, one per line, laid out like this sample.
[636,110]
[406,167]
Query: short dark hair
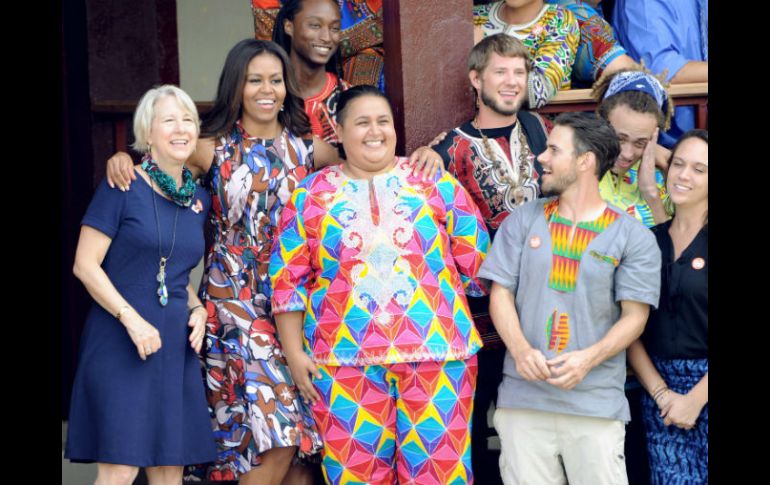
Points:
[591,133]
[347,97]
[228,104]
[288,11]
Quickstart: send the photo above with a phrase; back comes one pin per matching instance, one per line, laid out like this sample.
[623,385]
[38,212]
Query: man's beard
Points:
[558,185]
[489,102]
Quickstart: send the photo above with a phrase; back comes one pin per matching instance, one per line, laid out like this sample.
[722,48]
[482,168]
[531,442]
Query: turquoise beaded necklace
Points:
[182,198]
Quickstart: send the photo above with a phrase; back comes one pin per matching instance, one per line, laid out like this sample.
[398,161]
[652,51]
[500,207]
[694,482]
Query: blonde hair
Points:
[145,112]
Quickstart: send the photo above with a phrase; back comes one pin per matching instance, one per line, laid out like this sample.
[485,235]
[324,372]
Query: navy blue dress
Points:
[125,410]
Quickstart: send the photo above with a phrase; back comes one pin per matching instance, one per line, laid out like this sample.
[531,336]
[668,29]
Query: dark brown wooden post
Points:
[426,51]
[132,46]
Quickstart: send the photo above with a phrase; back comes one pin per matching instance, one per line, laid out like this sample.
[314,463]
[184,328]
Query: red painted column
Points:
[426,53]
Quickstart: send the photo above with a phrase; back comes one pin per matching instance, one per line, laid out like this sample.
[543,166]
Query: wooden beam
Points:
[426,50]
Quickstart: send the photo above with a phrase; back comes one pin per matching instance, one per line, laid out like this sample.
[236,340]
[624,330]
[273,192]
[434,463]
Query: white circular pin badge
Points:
[698,263]
[535,242]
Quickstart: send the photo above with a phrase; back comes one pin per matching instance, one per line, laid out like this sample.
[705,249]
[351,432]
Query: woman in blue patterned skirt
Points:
[671,358]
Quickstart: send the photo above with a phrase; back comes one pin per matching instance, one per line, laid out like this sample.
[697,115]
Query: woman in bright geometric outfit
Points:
[371,267]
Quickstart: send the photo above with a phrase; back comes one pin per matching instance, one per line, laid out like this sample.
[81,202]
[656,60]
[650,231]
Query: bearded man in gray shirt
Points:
[573,279]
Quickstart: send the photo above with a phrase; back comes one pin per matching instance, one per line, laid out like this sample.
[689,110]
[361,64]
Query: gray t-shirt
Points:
[622,262]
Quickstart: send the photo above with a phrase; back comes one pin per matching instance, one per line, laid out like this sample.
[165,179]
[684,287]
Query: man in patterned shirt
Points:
[573,278]
[493,157]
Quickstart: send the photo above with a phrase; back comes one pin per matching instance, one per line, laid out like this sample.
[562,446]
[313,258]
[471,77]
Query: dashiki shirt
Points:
[380,267]
[361,42]
[598,46]
[552,38]
[623,192]
[321,109]
[498,179]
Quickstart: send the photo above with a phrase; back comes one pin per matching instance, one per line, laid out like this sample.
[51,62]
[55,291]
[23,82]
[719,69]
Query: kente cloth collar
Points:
[184,195]
[638,81]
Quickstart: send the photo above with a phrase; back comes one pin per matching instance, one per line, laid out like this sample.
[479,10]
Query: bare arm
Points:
[570,368]
[623,61]
[92,247]
[692,72]
[120,166]
[530,362]
[323,154]
[647,182]
[683,410]
[197,320]
[662,155]
[289,326]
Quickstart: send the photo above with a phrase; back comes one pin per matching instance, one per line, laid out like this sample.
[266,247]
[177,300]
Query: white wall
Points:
[207,30]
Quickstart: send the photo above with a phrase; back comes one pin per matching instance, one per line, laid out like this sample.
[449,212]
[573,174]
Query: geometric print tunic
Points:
[380,267]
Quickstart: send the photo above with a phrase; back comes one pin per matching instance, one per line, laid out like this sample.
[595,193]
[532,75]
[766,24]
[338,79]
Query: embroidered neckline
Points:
[494,14]
[567,254]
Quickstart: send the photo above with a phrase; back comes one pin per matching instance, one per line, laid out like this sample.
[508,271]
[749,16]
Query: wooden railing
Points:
[121,113]
[694,94]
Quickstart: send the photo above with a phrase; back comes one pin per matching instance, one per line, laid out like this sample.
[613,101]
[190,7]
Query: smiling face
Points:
[368,135]
[558,161]
[263,94]
[688,174]
[634,131]
[315,31]
[173,132]
[502,85]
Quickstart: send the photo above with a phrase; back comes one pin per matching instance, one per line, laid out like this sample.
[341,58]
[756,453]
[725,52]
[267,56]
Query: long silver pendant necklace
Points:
[162,290]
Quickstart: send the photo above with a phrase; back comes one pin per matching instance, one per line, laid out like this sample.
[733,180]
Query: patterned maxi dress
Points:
[252,399]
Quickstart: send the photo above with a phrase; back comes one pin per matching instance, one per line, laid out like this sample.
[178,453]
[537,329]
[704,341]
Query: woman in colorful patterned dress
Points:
[671,358]
[137,399]
[377,262]
[254,149]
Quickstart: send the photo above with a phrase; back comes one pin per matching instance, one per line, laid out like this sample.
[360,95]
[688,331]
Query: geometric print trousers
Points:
[406,423]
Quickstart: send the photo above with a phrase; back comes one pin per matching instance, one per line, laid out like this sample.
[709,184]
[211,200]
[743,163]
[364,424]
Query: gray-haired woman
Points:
[138,399]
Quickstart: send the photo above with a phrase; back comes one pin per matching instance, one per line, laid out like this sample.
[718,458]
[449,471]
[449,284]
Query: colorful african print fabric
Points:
[568,253]
[399,423]
[361,49]
[381,267]
[552,38]
[598,45]
[253,403]
[624,193]
[496,188]
[265,13]
[322,109]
